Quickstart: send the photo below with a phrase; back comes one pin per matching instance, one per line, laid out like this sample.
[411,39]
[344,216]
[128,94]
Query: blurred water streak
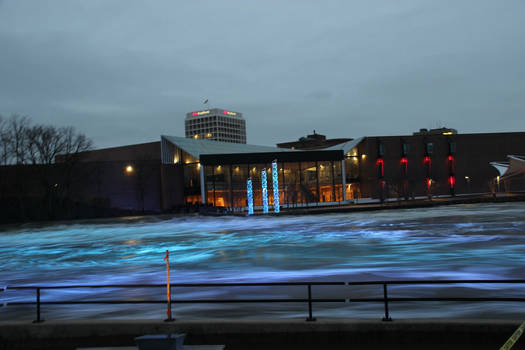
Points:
[482,241]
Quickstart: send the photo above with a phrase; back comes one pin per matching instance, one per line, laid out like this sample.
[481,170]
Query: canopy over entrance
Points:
[514,166]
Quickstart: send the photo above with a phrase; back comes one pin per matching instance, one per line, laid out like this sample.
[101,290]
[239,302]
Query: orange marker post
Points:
[168,288]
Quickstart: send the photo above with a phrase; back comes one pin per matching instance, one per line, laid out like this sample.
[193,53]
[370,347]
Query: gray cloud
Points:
[126,71]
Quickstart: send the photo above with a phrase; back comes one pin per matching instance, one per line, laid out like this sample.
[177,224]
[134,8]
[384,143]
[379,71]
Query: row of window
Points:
[220,126]
[215,129]
[405,148]
[212,136]
[215,132]
[380,163]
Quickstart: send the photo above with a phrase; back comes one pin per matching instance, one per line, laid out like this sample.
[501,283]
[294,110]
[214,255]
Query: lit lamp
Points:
[129,169]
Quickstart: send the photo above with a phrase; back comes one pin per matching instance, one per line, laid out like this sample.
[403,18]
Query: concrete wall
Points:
[87,189]
[268,334]
[172,182]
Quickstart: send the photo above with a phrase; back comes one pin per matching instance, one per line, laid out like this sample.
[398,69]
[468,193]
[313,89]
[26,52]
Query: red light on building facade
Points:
[194,114]
[429,183]
[426,159]
[451,181]
[404,165]
[381,167]
[451,165]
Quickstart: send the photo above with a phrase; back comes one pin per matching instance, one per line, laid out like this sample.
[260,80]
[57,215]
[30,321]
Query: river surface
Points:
[481,241]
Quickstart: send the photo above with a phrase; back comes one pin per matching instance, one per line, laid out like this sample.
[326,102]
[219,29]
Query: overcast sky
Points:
[125,72]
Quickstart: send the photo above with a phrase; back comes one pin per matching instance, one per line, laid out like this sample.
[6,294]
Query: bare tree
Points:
[74,143]
[32,149]
[22,143]
[5,141]
[17,127]
[45,143]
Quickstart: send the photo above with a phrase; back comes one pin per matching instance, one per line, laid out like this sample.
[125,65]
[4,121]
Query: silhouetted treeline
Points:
[33,185]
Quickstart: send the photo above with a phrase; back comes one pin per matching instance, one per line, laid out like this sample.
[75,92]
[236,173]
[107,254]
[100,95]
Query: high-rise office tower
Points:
[216,124]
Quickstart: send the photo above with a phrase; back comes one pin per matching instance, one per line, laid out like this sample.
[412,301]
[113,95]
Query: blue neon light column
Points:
[249,191]
[264,191]
[275,183]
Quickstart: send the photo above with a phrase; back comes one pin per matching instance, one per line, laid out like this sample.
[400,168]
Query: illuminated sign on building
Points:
[229,113]
[275,183]
[195,114]
[249,191]
[264,184]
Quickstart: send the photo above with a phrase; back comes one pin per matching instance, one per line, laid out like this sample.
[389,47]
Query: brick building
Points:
[176,172]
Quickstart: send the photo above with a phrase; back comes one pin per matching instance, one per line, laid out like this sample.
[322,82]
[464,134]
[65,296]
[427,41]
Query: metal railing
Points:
[309,299]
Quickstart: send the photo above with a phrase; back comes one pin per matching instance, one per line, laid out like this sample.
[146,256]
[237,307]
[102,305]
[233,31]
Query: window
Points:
[381,149]
[406,149]
[430,148]
[452,147]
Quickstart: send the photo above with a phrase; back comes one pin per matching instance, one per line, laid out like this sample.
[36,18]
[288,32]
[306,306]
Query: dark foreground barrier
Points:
[308,300]
[275,334]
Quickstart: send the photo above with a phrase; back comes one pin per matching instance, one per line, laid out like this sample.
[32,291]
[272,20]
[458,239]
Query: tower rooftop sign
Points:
[216,124]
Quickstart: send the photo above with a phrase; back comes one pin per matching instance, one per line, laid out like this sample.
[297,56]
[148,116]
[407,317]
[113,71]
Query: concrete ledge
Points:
[259,334]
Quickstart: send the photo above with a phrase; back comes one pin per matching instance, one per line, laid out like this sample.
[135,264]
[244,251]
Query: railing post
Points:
[38,319]
[310,318]
[385,297]
[170,318]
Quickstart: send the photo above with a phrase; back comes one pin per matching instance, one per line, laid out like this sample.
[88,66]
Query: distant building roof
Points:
[137,152]
[212,112]
[216,152]
[439,131]
[346,146]
[197,147]
[312,141]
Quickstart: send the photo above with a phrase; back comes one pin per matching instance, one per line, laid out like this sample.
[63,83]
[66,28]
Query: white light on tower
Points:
[275,183]
[264,184]
[249,191]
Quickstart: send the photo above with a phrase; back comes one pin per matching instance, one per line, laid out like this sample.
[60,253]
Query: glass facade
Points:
[192,188]
[300,183]
[352,175]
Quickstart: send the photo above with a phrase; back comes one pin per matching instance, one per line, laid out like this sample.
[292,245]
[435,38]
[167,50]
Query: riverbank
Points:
[400,204]
[263,334]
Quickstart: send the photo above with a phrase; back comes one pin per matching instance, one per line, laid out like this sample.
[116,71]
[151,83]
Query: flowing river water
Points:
[481,241]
